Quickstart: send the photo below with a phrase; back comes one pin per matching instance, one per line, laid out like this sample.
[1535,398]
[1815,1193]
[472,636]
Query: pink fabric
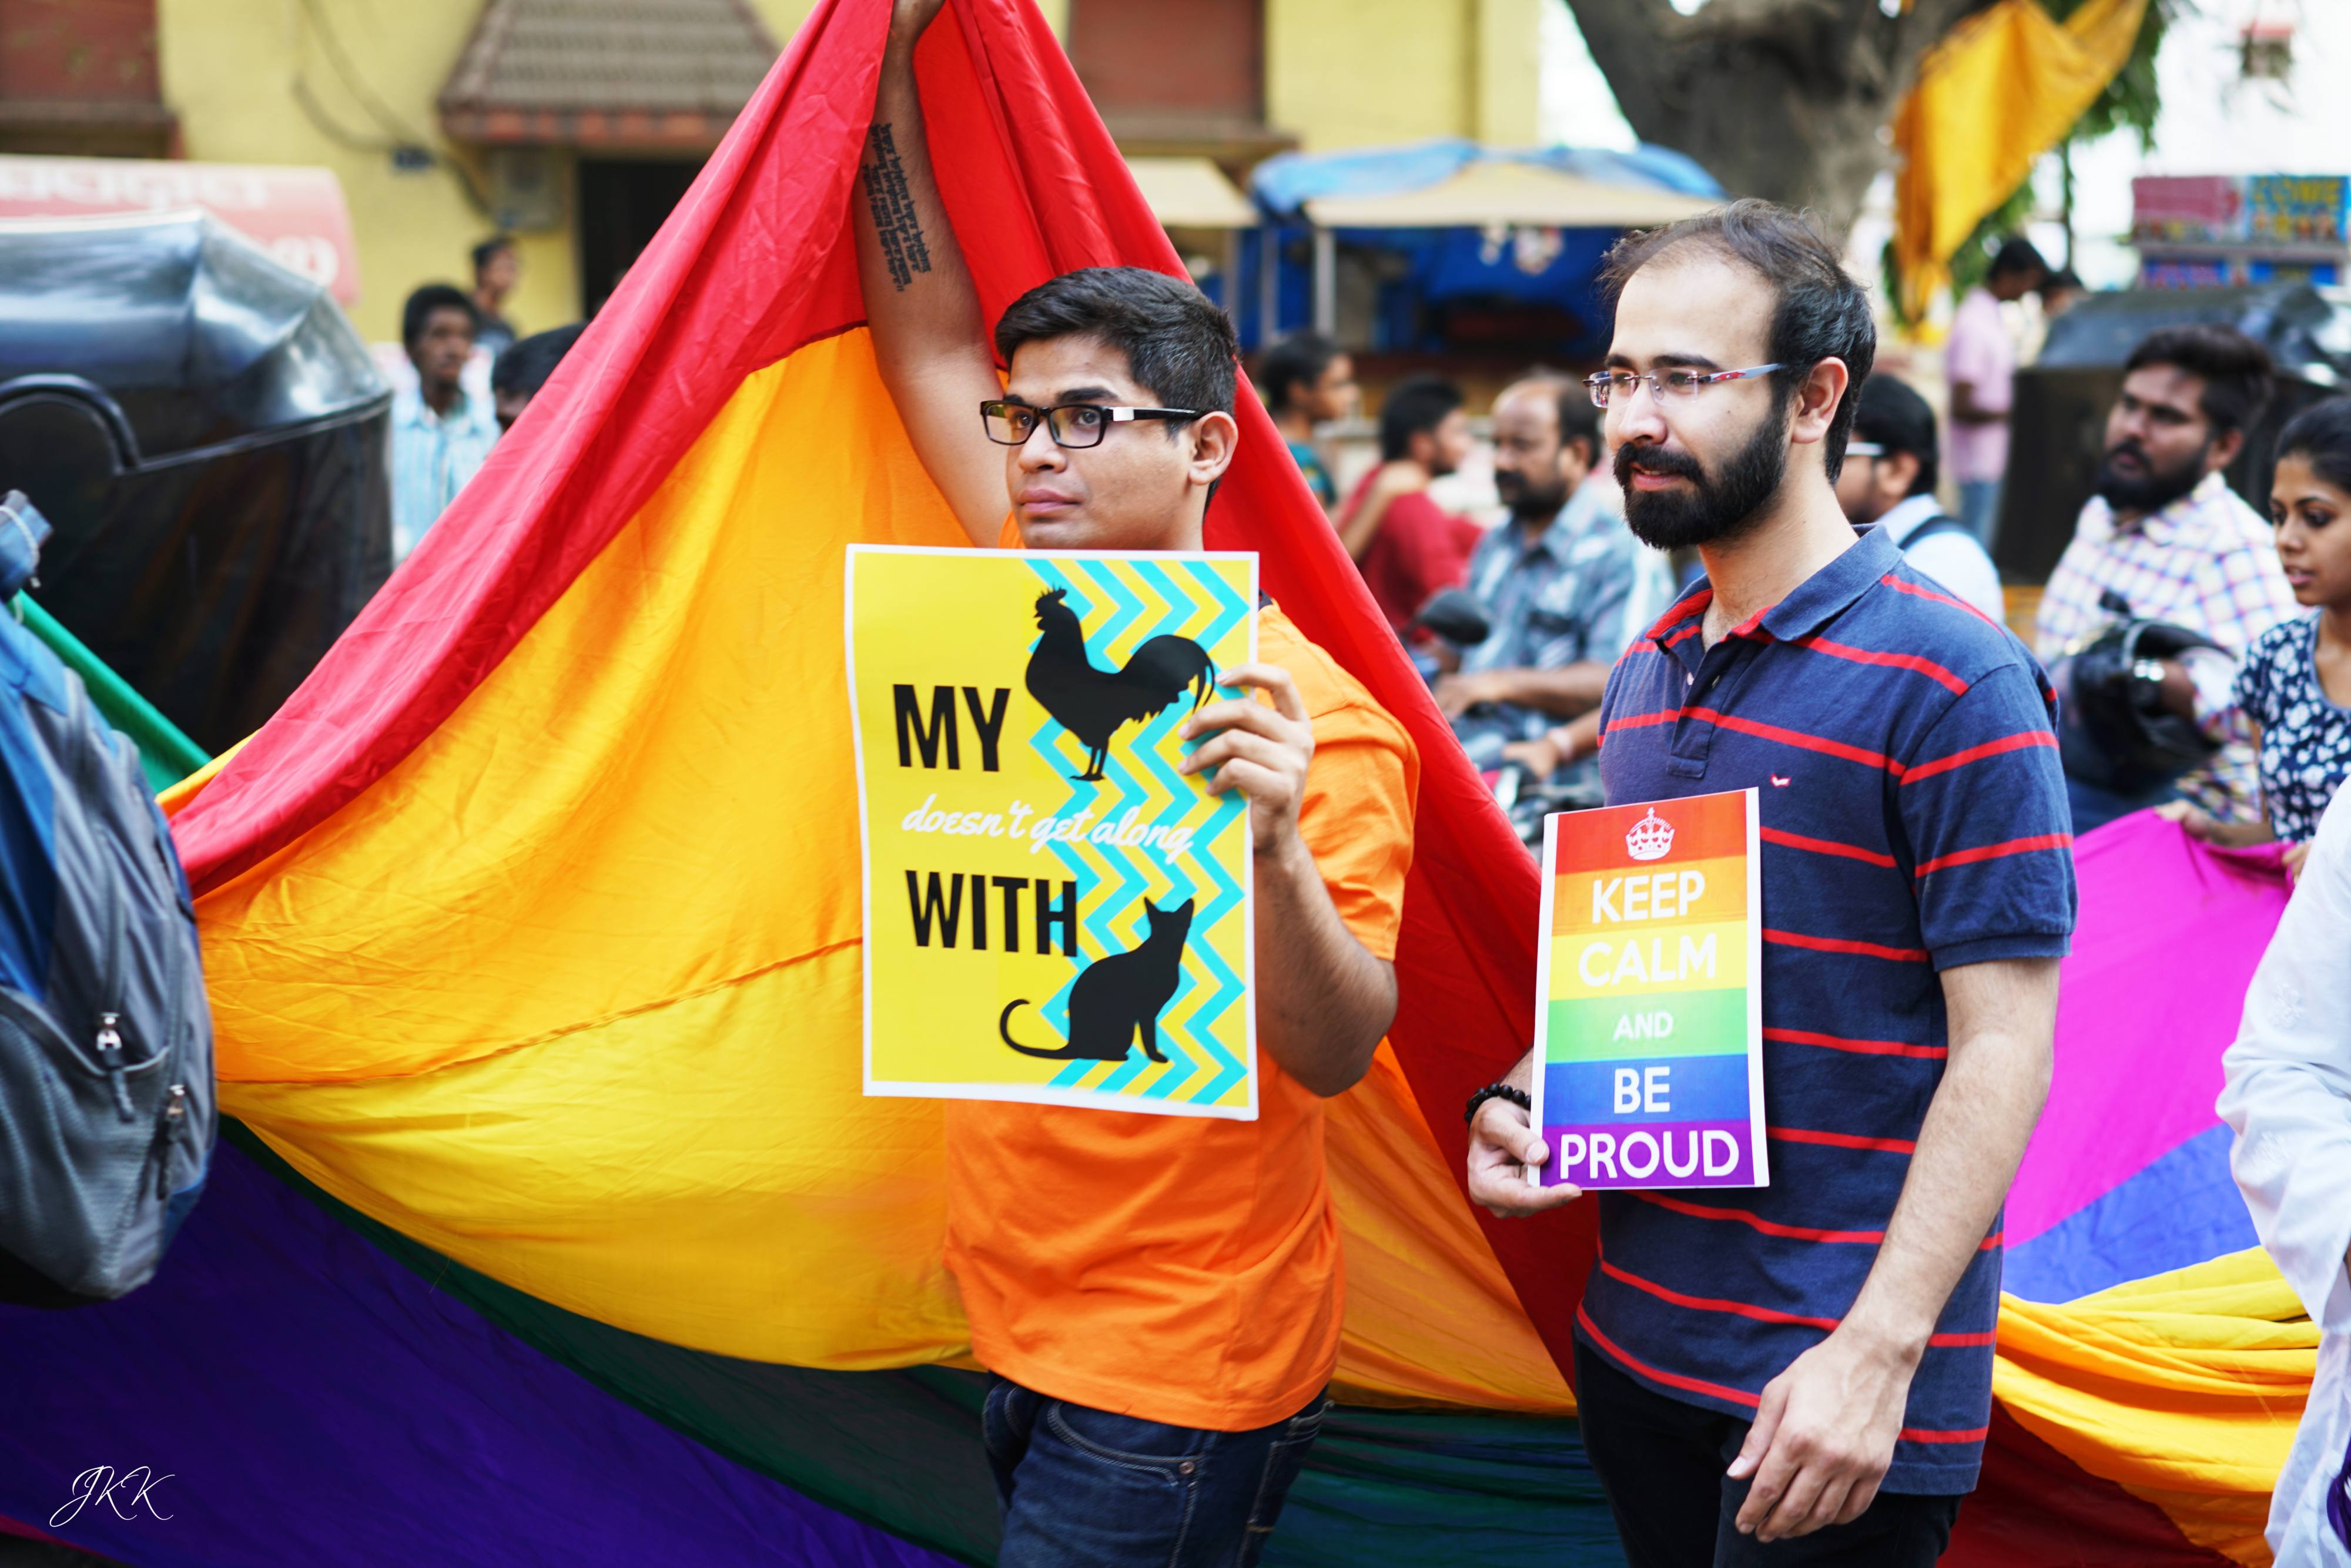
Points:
[2171,931]
[1980,354]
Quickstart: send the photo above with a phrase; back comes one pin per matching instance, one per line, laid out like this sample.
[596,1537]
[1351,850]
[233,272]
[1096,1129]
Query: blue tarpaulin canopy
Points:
[1517,233]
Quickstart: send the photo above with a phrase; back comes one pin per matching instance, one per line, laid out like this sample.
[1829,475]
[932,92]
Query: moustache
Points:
[2129,447]
[1657,460]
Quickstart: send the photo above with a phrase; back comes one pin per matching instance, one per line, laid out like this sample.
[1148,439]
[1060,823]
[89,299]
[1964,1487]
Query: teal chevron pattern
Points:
[1204,1029]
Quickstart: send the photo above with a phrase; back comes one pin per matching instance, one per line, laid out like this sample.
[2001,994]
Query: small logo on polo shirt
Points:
[1778,782]
[1652,838]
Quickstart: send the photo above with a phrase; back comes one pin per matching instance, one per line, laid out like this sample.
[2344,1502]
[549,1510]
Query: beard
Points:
[1715,506]
[2150,489]
[1527,502]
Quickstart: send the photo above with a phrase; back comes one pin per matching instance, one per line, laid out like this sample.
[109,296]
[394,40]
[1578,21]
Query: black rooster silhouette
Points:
[1091,702]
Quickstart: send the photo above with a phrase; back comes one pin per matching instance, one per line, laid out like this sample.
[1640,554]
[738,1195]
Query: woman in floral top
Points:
[2295,682]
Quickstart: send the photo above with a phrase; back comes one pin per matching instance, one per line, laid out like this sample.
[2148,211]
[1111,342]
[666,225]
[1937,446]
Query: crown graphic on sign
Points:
[1652,838]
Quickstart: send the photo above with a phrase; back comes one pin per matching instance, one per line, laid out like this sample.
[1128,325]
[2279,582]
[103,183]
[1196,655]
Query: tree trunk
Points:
[1787,99]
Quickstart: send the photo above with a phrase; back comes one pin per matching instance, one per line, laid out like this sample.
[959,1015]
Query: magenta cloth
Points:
[2129,1164]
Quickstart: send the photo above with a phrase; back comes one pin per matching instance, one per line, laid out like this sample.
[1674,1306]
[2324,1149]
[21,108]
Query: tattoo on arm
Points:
[903,248]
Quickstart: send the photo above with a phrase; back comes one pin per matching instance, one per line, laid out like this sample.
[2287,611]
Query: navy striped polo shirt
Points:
[1914,820]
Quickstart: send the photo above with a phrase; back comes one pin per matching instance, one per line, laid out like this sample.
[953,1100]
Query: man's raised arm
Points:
[928,337]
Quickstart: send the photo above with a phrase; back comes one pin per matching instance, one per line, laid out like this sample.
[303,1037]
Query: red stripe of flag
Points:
[1864,1047]
[2017,742]
[1843,945]
[1995,851]
[1824,846]
[1927,667]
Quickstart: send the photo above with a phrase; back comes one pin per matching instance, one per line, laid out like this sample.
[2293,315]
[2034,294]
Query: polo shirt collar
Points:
[1825,594]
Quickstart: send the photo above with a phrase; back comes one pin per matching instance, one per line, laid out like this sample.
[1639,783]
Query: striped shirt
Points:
[1914,820]
[1575,593]
[2206,563]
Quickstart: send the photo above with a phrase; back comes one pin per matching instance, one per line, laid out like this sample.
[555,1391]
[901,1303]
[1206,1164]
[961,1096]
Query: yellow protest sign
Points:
[1053,914]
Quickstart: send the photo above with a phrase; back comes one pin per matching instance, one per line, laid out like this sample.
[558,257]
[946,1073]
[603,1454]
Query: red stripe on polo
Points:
[1756,1222]
[1920,590]
[1927,667]
[1670,1379]
[2021,741]
[1824,846]
[1796,737]
[1764,1314]
[1862,1047]
[1927,1434]
[1845,945]
[1843,1140]
[1997,852]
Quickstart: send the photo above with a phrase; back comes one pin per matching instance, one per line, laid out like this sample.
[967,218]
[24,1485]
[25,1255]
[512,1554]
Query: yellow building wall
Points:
[1338,73]
[233,70]
[1360,73]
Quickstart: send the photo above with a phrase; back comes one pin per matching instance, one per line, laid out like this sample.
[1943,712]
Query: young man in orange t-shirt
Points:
[1158,1296]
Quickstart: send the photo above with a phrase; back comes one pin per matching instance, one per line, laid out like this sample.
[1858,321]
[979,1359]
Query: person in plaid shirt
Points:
[2167,536]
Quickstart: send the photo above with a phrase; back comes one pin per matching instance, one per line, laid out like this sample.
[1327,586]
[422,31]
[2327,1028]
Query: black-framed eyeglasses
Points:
[1070,424]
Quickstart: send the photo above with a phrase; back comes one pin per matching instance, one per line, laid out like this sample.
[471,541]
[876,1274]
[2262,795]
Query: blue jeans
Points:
[1980,510]
[1084,1488]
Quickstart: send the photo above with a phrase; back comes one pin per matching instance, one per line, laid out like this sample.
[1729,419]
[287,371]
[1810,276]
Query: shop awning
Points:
[296,214]
[1191,193]
[650,74]
[1503,193]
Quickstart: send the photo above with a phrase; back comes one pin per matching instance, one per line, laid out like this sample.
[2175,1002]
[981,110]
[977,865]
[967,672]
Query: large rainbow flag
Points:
[552,1226]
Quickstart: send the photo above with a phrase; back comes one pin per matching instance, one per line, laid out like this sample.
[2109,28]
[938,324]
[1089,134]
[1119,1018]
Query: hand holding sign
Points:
[1261,751]
[1503,1148]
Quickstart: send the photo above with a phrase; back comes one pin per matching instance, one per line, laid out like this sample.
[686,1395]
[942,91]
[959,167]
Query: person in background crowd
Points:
[1307,380]
[523,367]
[2295,689]
[1407,545]
[1564,587]
[1890,476]
[2060,292]
[439,436]
[2166,536]
[497,270]
[1979,362]
[2288,1098]
[1801,1372]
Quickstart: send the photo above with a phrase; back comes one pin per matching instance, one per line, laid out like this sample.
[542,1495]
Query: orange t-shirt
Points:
[1184,1269]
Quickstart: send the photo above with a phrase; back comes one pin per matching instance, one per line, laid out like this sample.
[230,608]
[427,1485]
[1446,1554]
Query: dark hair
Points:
[1897,418]
[1820,312]
[417,314]
[1578,419]
[490,247]
[2017,253]
[1297,361]
[1413,406]
[2321,435]
[2063,280]
[523,365]
[2235,370]
[1178,346]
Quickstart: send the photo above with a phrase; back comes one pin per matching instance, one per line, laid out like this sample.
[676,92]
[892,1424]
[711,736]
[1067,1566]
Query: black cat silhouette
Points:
[1090,702]
[1118,994]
